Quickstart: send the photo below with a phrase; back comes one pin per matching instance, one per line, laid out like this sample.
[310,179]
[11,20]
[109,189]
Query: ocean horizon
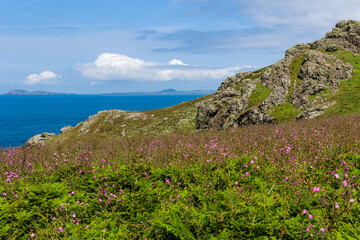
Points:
[22,117]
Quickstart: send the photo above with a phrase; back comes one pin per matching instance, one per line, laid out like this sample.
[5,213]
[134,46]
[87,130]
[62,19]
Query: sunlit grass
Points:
[348,96]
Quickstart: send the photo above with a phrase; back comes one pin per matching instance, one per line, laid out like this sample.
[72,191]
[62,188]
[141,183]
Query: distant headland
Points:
[23,92]
[169,91]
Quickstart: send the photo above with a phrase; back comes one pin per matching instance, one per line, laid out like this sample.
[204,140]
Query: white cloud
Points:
[43,78]
[310,14]
[177,62]
[112,66]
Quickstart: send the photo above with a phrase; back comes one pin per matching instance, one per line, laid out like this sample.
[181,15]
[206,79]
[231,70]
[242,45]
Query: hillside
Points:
[293,180]
[314,79]
[116,124]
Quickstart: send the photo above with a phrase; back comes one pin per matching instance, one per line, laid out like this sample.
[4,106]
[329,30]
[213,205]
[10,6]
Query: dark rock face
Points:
[300,82]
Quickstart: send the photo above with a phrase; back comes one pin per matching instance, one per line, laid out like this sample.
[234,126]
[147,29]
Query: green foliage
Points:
[294,69]
[284,112]
[255,183]
[348,96]
[258,95]
[325,92]
[239,85]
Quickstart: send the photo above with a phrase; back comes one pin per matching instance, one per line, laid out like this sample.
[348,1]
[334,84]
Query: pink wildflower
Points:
[351,200]
[336,205]
[310,216]
[305,211]
[60,229]
[32,235]
[322,229]
[336,175]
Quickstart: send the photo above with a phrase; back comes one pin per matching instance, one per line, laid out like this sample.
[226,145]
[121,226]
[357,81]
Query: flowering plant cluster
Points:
[285,181]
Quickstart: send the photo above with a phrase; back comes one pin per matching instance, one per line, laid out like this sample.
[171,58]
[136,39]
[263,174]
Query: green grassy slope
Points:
[348,97]
[176,119]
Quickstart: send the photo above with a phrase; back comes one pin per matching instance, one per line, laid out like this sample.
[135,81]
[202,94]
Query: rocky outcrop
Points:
[296,87]
[345,35]
[39,139]
[66,129]
[94,123]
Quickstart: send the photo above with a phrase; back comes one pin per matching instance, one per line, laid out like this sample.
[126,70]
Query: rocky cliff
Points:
[302,85]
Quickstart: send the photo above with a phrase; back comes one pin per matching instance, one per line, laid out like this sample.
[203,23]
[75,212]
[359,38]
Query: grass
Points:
[325,92]
[294,69]
[258,95]
[252,76]
[176,119]
[293,180]
[284,112]
[348,96]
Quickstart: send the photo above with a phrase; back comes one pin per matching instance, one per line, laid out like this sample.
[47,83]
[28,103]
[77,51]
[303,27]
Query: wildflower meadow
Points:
[295,180]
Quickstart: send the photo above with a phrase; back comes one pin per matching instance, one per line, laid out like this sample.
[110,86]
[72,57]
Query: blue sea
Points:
[22,117]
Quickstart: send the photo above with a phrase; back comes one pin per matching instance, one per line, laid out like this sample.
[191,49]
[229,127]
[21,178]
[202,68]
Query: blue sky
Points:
[103,46]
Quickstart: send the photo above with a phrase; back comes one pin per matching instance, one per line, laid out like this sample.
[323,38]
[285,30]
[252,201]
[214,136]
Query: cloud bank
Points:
[257,24]
[117,67]
[43,78]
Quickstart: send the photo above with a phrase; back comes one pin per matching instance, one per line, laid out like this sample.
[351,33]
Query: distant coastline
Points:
[170,91]
[26,93]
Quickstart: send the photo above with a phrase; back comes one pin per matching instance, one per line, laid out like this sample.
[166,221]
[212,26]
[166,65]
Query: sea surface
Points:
[22,117]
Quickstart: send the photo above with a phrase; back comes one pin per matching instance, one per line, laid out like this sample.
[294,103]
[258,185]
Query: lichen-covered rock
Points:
[314,111]
[39,139]
[345,35]
[319,71]
[297,50]
[92,124]
[66,129]
[304,78]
